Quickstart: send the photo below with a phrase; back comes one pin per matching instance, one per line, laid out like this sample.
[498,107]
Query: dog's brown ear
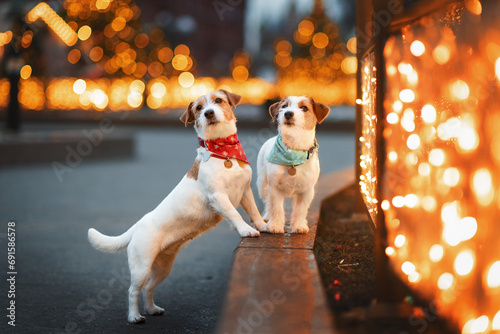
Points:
[320,110]
[233,99]
[188,116]
[274,109]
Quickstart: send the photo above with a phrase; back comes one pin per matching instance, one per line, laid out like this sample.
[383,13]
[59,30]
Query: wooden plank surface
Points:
[275,286]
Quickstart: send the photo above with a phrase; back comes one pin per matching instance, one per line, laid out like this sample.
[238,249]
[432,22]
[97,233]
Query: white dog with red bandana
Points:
[288,164]
[216,185]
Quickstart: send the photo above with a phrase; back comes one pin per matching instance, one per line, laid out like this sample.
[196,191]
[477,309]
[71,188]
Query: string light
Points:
[417,48]
[367,178]
[440,190]
[325,72]
[54,21]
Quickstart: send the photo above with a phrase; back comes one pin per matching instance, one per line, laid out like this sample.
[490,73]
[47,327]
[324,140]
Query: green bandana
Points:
[282,155]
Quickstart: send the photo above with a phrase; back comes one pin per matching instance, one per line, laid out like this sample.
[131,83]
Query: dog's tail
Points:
[110,244]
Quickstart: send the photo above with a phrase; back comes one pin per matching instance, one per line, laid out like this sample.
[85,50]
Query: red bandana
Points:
[223,148]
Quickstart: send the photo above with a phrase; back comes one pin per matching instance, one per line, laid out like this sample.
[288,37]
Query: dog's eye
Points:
[304,108]
[199,107]
[284,106]
[218,100]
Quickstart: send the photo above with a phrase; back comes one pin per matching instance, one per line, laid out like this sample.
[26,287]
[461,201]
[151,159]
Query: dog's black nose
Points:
[209,114]
[288,114]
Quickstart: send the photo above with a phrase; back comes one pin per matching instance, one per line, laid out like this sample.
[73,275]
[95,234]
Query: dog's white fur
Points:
[208,193]
[274,182]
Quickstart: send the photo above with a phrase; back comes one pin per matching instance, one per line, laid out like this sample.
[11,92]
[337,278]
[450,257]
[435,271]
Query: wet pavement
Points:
[63,285]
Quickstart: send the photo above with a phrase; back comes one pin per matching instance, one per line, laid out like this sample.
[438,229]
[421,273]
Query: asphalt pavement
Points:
[63,285]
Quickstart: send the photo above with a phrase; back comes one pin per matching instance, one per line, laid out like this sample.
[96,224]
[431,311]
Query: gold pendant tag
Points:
[228,164]
[292,171]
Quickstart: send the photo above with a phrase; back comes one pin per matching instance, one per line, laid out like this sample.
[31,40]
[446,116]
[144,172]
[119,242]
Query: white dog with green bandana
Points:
[288,164]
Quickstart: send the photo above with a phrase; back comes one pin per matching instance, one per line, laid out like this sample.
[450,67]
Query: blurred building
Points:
[212,29]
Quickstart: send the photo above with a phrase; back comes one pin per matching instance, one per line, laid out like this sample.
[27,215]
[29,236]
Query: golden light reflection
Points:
[482,186]
[474,6]
[496,322]
[400,241]
[436,253]
[5,37]
[125,93]
[306,27]
[4,92]
[445,281]
[158,90]
[31,94]
[349,65]
[240,73]
[497,68]
[351,45]
[102,4]
[441,54]
[84,32]
[320,40]
[464,262]
[180,62]
[390,251]
[186,79]
[25,72]
[417,48]
[79,86]
[493,278]
[429,113]
[459,89]
[74,56]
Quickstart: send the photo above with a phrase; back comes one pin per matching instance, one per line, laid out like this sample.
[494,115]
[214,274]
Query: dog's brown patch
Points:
[232,98]
[196,113]
[227,110]
[193,172]
[320,110]
[188,115]
[228,100]
[242,164]
[310,118]
[226,104]
[274,109]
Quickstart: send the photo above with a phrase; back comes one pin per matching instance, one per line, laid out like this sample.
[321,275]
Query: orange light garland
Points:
[441,188]
[318,64]
[54,21]
[368,158]
[118,94]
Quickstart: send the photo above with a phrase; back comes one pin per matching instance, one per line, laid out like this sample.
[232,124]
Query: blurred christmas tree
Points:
[112,36]
[318,64]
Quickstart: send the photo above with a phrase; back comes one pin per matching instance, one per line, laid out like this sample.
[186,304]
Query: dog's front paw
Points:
[299,228]
[248,232]
[136,319]
[155,310]
[260,225]
[275,228]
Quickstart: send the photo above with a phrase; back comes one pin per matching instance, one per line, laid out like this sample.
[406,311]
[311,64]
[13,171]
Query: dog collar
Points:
[225,148]
[282,155]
